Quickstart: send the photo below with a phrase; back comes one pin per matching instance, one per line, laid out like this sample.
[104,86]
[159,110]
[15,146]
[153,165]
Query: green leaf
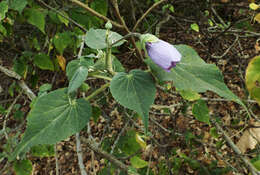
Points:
[137,162]
[101,6]
[189,95]
[192,73]
[257,165]
[3,9]
[54,117]
[18,5]
[128,144]
[3,30]
[36,17]
[116,64]
[96,38]
[77,72]
[135,90]
[62,19]
[195,27]
[42,150]
[43,61]
[253,78]
[200,111]
[23,167]
[62,40]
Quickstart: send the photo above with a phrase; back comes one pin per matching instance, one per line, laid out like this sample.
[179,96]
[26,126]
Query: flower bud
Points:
[163,54]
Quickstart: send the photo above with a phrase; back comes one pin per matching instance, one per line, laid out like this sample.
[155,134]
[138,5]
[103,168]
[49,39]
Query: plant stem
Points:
[146,13]
[96,92]
[126,36]
[93,12]
[108,63]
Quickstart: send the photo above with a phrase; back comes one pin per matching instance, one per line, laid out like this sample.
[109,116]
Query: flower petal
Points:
[163,54]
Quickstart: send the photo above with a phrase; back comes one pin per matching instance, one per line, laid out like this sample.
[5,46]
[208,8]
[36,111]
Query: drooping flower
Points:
[163,54]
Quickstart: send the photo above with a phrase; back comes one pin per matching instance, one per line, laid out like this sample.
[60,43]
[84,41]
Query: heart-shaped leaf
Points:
[77,72]
[43,61]
[253,78]
[192,73]
[96,38]
[36,17]
[135,90]
[54,117]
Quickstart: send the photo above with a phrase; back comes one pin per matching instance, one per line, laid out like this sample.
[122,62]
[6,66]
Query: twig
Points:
[232,45]
[79,153]
[104,154]
[56,160]
[101,89]
[118,137]
[126,36]
[93,12]
[158,124]
[81,46]
[251,167]
[158,26]
[146,13]
[10,73]
[26,90]
[219,18]
[122,21]
[115,4]
[8,113]
[21,83]
[165,106]
[66,17]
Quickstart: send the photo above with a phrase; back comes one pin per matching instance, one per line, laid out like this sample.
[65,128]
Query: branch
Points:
[56,160]
[93,12]
[101,89]
[146,13]
[68,18]
[21,83]
[104,154]
[126,36]
[79,153]
[251,167]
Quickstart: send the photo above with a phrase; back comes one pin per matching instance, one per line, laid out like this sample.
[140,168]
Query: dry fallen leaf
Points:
[250,138]
[61,61]
[257,47]
[257,17]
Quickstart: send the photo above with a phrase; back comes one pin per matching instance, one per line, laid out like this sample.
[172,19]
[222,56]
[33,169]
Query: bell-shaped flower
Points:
[163,54]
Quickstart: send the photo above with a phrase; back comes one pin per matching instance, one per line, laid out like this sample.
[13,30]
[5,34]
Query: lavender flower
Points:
[163,54]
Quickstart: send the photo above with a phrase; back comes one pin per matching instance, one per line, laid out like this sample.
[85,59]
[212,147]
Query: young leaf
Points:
[189,95]
[42,150]
[18,5]
[96,38]
[253,6]
[36,17]
[3,10]
[54,117]
[192,73]
[137,162]
[62,40]
[77,72]
[253,78]
[200,111]
[135,90]
[43,61]
[23,167]
[62,19]
[195,27]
